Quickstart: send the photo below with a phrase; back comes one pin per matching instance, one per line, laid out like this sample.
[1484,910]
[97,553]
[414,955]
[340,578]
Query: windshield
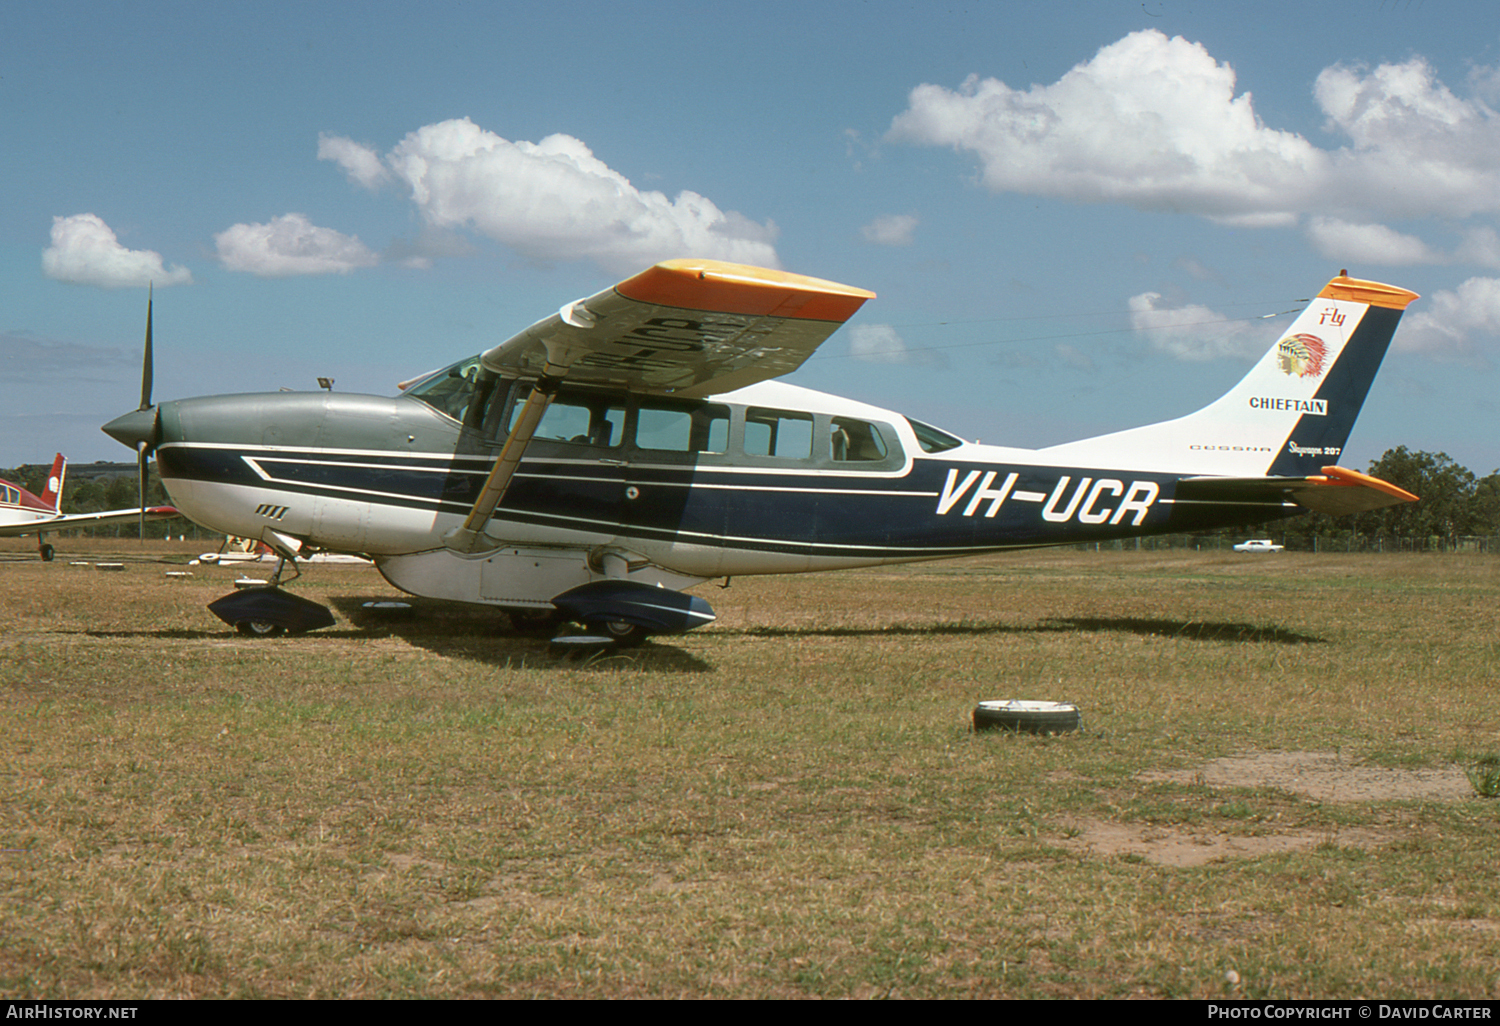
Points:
[931,439]
[449,390]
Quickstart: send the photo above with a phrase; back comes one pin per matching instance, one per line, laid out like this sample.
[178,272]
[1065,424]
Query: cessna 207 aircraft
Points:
[633,445]
[23,513]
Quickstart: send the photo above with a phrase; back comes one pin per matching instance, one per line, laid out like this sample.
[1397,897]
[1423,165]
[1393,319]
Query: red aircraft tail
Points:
[52,496]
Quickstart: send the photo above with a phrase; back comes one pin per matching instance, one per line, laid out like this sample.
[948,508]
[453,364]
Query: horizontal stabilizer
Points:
[1336,491]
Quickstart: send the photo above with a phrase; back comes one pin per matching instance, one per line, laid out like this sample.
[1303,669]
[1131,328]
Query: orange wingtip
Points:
[1357,290]
[719,287]
[1342,476]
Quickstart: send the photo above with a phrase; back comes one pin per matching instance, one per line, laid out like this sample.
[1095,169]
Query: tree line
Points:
[1456,510]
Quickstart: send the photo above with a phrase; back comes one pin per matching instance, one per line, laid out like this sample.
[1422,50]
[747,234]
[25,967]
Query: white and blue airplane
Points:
[635,444]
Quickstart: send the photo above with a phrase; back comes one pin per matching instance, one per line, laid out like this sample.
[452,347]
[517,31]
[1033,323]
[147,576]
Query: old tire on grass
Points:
[1027,717]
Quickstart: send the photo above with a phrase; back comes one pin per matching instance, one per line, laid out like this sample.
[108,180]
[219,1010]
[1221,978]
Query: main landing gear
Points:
[265,611]
[626,613]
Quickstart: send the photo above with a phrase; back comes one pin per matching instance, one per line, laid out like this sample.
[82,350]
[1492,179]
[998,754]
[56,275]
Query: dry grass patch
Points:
[788,803]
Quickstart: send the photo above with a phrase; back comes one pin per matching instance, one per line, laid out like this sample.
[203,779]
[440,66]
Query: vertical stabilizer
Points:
[52,496]
[1291,415]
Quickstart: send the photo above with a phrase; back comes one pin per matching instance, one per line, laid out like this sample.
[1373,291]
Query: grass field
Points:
[1268,798]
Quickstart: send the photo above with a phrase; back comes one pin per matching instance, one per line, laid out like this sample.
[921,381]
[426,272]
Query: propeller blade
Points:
[146,364]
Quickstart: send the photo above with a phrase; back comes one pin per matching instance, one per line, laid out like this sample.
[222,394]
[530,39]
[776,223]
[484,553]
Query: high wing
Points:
[1336,491]
[685,327]
[113,516]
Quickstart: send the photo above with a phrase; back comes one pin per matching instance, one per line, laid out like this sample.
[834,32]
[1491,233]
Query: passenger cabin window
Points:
[778,433]
[676,428]
[854,441]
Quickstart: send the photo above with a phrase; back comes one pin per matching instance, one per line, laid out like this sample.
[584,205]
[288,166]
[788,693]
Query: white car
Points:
[1258,545]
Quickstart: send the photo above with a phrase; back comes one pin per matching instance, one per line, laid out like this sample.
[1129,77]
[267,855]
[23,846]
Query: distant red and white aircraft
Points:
[22,513]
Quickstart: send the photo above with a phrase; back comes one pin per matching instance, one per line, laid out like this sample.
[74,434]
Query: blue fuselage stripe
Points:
[936,508]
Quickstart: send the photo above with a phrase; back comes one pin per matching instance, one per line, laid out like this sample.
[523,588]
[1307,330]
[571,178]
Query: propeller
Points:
[146,361]
[143,448]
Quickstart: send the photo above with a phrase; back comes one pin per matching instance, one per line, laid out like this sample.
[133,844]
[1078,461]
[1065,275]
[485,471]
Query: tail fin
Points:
[1291,415]
[52,496]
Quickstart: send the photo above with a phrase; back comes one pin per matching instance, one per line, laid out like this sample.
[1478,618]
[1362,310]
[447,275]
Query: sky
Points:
[1077,216]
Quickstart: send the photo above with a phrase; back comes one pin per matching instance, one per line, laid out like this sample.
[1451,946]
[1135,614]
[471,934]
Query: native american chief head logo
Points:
[1302,355]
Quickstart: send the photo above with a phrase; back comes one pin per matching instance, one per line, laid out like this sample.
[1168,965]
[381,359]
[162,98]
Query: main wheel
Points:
[625,635]
[260,628]
[47,553]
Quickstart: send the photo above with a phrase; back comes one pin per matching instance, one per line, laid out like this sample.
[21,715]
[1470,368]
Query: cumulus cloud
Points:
[85,251]
[1367,243]
[890,230]
[1156,123]
[1416,148]
[1149,121]
[552,200]
[1194,332]
[1448,322]
[880,343]
[360,163]
[1480,246]
[290,245]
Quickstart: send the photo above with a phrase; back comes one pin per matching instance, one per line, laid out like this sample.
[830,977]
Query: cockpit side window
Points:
[578,418]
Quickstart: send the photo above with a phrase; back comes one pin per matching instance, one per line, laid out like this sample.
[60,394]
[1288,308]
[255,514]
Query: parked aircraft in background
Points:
[22,513]
[633,445]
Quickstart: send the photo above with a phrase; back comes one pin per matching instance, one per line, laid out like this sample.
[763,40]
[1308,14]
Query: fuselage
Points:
[772,478]
[19,506]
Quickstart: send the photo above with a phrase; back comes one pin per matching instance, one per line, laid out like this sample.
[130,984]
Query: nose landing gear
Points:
[265,611]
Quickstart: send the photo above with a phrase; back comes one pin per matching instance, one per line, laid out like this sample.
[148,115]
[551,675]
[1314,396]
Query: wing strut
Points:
[470,538]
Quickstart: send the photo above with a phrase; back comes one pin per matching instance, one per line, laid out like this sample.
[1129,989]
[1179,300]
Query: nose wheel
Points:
[268,612]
